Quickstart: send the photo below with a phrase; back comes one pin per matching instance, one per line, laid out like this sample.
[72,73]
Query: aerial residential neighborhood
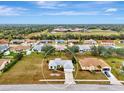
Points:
[68,45]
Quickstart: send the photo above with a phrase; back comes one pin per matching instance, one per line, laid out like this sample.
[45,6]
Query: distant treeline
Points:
[78,36]
[9,31]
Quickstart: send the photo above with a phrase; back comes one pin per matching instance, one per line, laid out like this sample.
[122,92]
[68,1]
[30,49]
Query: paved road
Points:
[59,87]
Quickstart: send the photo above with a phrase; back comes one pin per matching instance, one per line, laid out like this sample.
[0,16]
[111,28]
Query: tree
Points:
[73,49]
[74,61]
[47,49]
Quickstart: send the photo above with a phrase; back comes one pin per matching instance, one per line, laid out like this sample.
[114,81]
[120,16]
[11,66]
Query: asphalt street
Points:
[61,87]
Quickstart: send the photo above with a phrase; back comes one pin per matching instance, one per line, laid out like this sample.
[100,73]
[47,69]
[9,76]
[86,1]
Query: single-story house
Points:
[107,42]
[45,41]
[58,62]
[84,48]
[19,48]
[3,63]
[95,64]
[60,47]
[59,41]
[72,41]
[3,48]
[90,42]
[38,47]
[29,42]
[17,41]
[4,42]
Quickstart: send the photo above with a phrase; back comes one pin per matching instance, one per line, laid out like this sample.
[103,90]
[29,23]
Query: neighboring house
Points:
[72,41]
[84,48]
[38,47]
[59,41]
[60,47]
[58,62]
[4,48]
[3,63]
[94,64]
[107,42]
[17,41]
[90,42]
[19,48]
[45,41]
[29,42]
[4,42]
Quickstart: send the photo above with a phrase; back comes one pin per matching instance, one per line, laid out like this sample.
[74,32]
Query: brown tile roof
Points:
[19,47]
[3,41]
[87,62]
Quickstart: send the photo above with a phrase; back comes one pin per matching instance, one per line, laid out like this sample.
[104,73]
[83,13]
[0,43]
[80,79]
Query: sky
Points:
[61,12]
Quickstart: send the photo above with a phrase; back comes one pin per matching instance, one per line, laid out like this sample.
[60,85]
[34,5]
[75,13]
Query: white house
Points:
[38,47]
[3,63]
[60,47]
[3,48]
[58,62]
[84,48]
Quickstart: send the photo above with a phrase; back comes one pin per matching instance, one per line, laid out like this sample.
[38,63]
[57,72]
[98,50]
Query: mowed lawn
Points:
[30,69]
[116,64]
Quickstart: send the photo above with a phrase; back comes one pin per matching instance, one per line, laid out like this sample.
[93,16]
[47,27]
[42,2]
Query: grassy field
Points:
[29,70]
[92,32]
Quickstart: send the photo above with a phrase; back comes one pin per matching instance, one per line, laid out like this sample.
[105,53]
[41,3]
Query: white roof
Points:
[38,47]
[84,47]
[67,64]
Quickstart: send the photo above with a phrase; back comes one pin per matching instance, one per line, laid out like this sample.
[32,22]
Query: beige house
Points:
[107,42]
[90,42]
[93,64]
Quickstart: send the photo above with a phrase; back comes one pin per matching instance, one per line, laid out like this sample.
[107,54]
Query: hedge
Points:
[16,59]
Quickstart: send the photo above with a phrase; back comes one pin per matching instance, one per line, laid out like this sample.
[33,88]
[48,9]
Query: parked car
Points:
[107,74]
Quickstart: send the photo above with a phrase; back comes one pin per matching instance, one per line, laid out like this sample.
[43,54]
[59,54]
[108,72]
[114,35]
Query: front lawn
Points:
[116,64]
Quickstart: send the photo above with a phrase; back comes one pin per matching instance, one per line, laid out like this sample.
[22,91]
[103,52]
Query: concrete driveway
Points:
[69,78]
[112,78]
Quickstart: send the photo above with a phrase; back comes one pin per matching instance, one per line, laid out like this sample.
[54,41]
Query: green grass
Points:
[115,64]
[29,70]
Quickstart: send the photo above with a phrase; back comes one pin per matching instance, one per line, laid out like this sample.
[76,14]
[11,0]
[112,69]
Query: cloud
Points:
[72,13]
[111,10]
[11,11]
[50,4]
